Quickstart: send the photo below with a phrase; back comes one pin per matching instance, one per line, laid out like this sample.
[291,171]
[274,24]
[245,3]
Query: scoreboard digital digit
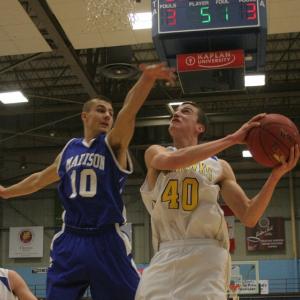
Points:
[195,26]
[182,15]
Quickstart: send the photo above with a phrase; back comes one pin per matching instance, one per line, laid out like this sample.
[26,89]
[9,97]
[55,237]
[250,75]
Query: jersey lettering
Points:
[87,159]
[190,194]
[170,194]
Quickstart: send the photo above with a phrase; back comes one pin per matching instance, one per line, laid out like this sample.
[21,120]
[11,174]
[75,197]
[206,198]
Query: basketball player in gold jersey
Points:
[181,193]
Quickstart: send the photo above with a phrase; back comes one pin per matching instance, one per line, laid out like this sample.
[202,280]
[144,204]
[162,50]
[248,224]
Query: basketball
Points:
[270,143]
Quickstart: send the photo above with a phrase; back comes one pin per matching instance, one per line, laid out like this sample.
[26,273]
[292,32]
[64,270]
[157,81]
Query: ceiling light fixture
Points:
[141,20]
[246,153]
[255,80]
[12,97]
[173,105]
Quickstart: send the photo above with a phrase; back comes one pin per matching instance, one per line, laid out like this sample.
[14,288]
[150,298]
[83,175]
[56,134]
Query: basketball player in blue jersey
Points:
[91,250]
[181,193]
[13,287]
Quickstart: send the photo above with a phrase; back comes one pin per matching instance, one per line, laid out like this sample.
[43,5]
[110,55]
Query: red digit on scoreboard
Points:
[169,1]
[171,18]
[251,11]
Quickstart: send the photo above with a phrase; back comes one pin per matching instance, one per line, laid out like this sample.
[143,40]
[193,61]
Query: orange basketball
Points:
[270,143]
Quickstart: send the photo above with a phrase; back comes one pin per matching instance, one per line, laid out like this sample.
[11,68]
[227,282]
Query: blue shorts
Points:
[98,260]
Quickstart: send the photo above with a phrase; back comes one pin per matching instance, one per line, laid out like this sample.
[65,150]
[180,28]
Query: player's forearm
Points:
[259,203]
[188,156]
[122,132]
[136,97]
[27,186]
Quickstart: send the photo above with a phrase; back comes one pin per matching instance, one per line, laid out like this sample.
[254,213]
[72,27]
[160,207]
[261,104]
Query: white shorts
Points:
[194,269]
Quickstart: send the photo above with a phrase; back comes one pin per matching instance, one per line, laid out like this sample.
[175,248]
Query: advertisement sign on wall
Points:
[267,235]
[26,241]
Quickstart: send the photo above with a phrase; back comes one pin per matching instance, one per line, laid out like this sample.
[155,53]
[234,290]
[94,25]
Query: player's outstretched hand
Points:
[159,71]
[287,166]
[239,137]
[3,192]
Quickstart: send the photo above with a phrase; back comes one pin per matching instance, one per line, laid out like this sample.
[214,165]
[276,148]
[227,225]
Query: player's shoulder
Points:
[73,141]
[227,171]
[223,163]
[154,149]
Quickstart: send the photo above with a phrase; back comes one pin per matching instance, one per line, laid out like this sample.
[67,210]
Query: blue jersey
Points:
[91,184]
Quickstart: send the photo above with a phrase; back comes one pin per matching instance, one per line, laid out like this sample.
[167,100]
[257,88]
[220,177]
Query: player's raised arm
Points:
[121,134]
[249,211]
[159,158]
[32,183]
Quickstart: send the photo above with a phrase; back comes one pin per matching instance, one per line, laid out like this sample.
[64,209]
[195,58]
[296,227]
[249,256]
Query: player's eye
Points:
[100,110]
[187,111]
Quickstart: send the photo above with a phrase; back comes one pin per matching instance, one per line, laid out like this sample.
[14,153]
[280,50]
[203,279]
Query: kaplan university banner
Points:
[26,241]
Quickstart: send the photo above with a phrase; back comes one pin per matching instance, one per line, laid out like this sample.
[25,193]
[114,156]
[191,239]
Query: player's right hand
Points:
[240,135]
[159,71]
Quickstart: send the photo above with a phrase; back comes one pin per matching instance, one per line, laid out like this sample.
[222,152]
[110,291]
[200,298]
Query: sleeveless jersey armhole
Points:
[129,169]
[61,155]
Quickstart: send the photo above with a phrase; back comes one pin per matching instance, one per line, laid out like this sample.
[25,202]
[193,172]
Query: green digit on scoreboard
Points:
[226,14]
[205,15]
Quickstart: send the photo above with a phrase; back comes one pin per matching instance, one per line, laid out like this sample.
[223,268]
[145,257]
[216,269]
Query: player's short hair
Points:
[202,118]
[88,104]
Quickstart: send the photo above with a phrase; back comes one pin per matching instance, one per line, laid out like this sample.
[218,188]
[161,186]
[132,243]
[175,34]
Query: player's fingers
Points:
[292,155]
[253,124]
[172,77]
[169,76]
[257,117]
[162,64]
[297,152]
[293,158]
[163,67]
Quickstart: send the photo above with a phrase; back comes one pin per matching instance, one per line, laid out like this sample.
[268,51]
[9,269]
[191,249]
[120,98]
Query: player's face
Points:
[100,117]
[184,119]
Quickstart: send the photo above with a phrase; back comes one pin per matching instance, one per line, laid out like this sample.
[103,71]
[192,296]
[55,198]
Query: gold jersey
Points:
[184,204]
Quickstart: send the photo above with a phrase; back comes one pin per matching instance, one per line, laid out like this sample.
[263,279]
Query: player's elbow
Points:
[247,218]
[250,224]
[249,221]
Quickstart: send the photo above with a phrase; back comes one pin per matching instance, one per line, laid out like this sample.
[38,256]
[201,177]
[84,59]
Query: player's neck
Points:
[182,142]
[89,135]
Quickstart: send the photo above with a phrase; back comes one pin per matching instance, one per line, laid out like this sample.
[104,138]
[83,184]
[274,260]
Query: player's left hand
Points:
[159,71]
[287,166]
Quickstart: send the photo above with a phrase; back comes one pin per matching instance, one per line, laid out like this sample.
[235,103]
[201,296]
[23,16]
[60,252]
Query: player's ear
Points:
[200,128]
[83,116]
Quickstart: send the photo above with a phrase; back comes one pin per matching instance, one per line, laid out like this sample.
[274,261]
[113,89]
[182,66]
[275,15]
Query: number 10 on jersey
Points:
[87,183]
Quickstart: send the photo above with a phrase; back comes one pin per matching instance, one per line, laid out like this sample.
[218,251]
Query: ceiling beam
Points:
[47,18]
[240,100]
[20,62]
